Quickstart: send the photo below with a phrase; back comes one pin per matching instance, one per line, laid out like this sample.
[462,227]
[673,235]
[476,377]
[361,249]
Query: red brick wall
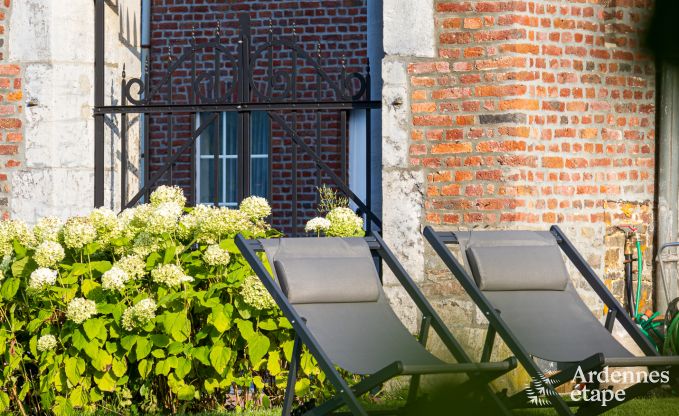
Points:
[340,27]
[11,113]
[534,113]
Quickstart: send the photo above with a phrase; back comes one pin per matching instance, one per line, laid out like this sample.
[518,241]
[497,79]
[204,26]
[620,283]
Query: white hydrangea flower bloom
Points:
[144,244]
[317,225]
[80,309]
[344,223]
[164,194]
[48,253]
[255,294]
[139,315]
[42,278]
[134,266]
[11,230]
[6,263]
[114,279]
[46,343]
[47,229]
[78,232]
[216,256]
[170,275]
[255,207]
[163,218]
[2,275]
[104,219]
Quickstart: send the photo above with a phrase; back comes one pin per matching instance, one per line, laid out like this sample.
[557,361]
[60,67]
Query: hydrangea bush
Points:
[150,310]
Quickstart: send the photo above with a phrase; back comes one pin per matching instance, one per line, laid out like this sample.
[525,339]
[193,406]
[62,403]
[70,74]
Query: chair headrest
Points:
[328,279]
[523,267]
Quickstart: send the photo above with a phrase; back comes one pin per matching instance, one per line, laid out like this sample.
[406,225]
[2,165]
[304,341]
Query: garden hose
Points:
[639,269]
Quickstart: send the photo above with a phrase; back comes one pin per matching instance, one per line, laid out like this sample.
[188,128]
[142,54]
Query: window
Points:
[228,158]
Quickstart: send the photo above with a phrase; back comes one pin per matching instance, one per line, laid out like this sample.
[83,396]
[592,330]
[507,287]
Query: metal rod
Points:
[292,376]
[294,177]
[252,106]
[194,161]
[343,146]
[425,324]
[216,153]
[368,153]
[123,152]
[99,141]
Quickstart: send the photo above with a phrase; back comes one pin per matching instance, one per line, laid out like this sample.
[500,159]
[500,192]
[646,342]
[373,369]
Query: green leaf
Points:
[245,329]
[169,254]
[160,340]
[101,266]
[177,325]
[183,367]
[145,367]
[119,367]
[273,365]
[257,381]
[127,342]
[95,328]
[287,350]
[10,287]
[158,353]
[78,397]
[186,392]
[105,381]
[201,354]
[78,339]
[268,325]
[23,268]
[89,288]
[219,319]
[143,347]
[229,245]
[219,357]
[75,369]
[211,385]
[164,367]
[258,346]
[103,361]
[302,387]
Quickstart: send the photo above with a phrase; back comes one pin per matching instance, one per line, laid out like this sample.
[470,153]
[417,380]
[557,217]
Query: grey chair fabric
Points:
[359,332]
[549,318]
[509,268]
[342,280]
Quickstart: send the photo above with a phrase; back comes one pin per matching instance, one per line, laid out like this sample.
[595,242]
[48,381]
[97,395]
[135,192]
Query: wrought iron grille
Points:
[300,97]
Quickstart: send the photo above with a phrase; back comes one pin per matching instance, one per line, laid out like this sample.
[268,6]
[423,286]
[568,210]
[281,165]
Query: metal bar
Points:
[171,131]
[253,106]
[343,146]
[192,171]
[368,153]
[216,153]
[609,300]
[610,319]
[99,141]
[292,377]
[123,150]
[147,159]
[294,177]
[333,176]
[324,362]
[491,314]
[415,379]
[488,344]
[436,322]
[162,170]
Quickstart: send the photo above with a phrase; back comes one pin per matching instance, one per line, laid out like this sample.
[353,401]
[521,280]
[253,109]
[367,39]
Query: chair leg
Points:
[292,377]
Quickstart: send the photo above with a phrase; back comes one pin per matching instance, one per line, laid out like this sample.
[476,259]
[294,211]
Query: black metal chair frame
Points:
[480,374]
[439,241]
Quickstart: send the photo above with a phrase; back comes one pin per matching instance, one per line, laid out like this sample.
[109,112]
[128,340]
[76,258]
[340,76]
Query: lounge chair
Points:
[330,291]
[519,281]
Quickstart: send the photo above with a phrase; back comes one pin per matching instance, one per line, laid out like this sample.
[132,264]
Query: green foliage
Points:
[108,327]
[330,199]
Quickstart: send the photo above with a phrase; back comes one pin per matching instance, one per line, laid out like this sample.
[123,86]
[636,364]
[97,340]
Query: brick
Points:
[552,162]
[10,123]
[433,120]
[6,149]
[10,69]
[519,104]
[444,148]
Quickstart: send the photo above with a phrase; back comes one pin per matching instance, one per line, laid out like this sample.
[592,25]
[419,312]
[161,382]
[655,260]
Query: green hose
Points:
[639,266]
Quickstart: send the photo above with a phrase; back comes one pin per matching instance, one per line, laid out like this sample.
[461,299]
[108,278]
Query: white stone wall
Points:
[54,43]
[408,35]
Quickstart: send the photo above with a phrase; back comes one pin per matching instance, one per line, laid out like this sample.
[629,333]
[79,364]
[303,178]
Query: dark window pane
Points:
[206,181]
[261,125]
[231,166]
[259,180]
[207,141]
[231,144]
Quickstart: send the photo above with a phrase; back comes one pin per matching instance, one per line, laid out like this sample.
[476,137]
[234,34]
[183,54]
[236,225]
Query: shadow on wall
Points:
[663,32]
